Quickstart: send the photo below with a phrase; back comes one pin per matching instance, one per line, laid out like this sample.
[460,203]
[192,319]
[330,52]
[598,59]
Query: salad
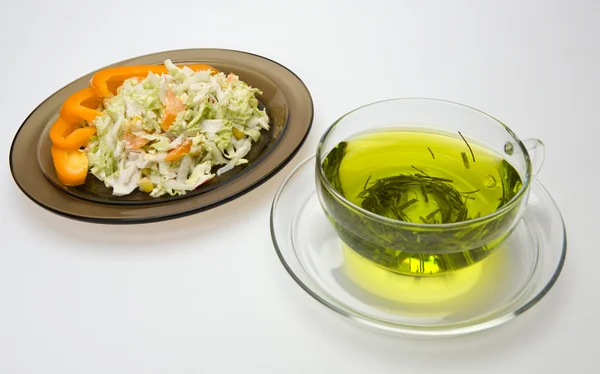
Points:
[164,130]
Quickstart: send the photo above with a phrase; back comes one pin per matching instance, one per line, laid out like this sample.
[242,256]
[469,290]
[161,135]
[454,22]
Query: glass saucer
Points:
[496,290]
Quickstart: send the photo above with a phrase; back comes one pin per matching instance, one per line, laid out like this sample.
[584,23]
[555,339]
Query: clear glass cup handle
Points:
[536,150]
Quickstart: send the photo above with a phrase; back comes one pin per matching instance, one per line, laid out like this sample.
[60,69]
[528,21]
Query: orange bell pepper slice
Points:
[105,82]
[135,142]
[69,135]
[71,166]
[173,108]
[81,106]
[101,79]
[179,152]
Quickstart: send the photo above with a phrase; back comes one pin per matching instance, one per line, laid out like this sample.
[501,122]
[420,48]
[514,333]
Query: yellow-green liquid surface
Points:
[385,154]
[419,177]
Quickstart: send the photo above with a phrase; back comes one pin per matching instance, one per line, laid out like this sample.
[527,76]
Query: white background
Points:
[206,293]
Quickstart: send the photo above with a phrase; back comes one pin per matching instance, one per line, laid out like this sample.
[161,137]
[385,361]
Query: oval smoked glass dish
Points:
[284,96]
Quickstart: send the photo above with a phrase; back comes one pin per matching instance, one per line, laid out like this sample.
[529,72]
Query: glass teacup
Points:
[417,248]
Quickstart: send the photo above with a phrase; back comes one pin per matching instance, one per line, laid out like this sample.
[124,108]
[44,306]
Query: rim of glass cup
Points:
[487,217]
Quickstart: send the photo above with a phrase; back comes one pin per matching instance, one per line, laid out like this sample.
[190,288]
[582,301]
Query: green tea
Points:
[421,178]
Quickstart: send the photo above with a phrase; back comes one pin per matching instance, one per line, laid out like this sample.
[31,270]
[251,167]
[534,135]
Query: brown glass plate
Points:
[288,104]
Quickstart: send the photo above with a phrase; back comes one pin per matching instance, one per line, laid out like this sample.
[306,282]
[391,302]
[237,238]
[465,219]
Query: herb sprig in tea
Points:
[391,196]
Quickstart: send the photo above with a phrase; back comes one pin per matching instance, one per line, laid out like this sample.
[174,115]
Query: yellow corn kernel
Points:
[145,185]
[136,124]
[237,133]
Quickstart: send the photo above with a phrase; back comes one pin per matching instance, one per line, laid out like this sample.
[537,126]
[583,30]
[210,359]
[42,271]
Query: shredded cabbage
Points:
[218,121]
